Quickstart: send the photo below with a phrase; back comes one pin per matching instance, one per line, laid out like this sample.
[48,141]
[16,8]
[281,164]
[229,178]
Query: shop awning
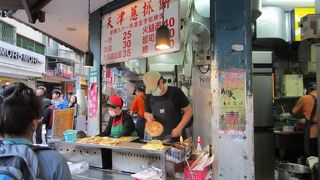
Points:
[66,21]
[55,79]
[63,59]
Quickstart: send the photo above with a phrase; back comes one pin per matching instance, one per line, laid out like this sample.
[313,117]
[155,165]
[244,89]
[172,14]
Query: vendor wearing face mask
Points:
[120,122]
[167,105]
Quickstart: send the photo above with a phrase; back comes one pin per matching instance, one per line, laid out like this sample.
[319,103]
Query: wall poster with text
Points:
[232,101]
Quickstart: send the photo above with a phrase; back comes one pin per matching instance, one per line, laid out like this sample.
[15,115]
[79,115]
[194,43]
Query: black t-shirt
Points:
[178,98]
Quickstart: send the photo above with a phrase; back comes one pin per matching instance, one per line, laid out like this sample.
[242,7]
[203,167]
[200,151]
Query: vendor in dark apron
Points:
[120,122]
[307,105]
[167,105]
[307,140]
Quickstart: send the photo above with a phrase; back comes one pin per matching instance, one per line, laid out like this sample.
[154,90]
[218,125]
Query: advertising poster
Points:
[232,103]
[93,100]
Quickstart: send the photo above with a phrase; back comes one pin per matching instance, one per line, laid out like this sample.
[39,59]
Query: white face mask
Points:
[112,113]
[157,92]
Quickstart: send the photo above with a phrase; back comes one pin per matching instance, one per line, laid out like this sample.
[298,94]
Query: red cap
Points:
[115,100]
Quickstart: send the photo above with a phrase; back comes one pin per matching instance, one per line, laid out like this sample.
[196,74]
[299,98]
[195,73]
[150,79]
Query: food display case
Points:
[111,160]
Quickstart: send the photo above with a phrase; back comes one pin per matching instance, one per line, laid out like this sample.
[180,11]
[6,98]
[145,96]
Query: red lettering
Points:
[155,17]
[145,49]
[147,9]
[164,4]
[121,17]
[151,28]
[157,25]
[171,43]
[134,15]
[150,19]
[127,44]
[172,32]
[145,39]
[151,38]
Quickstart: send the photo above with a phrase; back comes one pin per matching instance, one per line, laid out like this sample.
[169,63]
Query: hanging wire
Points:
[163,6]
[88,25]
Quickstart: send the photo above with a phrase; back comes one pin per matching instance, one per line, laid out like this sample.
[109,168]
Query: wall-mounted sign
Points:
[19,61]
[93,77]
[130,32]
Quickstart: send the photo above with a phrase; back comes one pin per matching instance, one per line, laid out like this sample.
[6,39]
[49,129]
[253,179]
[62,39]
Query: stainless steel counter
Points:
[95,174]
[125,157]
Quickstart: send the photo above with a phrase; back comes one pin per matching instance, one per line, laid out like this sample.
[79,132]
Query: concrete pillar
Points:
[232,102]
[317,5]
[94,75]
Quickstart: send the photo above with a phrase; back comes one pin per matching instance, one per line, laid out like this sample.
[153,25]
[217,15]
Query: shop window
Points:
[30,44]
[39,48]
[7,33]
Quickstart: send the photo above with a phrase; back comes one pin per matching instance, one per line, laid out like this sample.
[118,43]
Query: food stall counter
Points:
[96,173]
[122,157]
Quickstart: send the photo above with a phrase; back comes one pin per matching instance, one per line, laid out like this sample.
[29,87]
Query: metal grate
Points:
[133,162]
[76,154]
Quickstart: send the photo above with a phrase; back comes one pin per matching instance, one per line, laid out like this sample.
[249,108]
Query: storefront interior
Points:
[283,65]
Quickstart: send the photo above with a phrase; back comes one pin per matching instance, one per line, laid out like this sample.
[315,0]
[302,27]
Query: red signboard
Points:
[130,32]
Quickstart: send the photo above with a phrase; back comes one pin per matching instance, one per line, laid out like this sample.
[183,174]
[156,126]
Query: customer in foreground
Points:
[20,112]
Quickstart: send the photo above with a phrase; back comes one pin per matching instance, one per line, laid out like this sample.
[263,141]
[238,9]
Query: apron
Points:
[165,112]
[117,128]
[309,124]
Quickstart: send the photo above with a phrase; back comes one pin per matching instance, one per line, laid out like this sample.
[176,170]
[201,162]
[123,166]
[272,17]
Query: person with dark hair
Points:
[20,111]
[55,100]
[120,122]
[45,102]
[137,107]
[73,103]
[168,105]
[41,91]
[307,105]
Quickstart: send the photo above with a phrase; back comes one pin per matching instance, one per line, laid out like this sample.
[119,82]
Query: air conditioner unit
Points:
[310,26]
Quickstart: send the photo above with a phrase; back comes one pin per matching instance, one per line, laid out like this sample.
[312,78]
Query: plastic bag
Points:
[78,168]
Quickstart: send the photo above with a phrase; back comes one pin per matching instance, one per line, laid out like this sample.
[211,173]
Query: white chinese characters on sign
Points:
[130,32]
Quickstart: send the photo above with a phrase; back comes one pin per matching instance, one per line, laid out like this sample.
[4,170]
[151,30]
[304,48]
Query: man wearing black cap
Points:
[166,104]
[137,107]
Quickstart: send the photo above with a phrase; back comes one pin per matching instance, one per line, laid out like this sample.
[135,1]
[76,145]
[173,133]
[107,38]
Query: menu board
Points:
[130,32]
[62,120]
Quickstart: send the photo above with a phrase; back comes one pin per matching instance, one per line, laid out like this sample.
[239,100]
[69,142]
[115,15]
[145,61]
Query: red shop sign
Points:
[130,32]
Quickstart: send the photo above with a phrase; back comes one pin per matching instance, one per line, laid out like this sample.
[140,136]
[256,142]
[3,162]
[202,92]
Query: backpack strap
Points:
[25,155]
